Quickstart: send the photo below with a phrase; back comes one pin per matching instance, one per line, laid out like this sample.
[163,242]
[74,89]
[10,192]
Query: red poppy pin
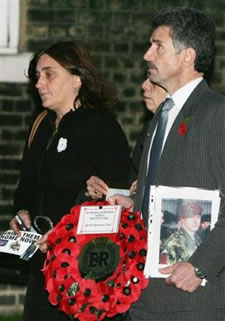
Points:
[183,128]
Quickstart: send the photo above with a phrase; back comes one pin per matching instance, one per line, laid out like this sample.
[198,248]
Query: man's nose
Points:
[149,55]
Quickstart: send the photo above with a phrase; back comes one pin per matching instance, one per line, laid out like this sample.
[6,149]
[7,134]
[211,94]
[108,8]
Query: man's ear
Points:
[76,81]
[189,57]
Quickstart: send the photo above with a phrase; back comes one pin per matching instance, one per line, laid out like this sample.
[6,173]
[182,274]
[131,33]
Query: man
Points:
[181,244]
[180,54]
[204,226]
[153,96]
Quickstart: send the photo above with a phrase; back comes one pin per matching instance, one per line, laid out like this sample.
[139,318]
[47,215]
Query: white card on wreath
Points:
[99,219]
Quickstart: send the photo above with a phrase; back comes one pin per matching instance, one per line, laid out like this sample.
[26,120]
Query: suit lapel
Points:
[144,161]
[174,140]
[172,143]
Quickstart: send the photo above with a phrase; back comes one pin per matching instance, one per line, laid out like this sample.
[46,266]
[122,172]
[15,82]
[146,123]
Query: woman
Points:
[77,138]
[153,96]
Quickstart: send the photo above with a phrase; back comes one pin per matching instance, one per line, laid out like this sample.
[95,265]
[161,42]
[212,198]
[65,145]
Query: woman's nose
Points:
[39,83]
[146,84]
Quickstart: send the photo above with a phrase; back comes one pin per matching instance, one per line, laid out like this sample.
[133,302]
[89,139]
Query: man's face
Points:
[164,64]
[191,224]
[204,225]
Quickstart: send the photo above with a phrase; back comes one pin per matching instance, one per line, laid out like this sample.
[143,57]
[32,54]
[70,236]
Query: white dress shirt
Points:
[179,97]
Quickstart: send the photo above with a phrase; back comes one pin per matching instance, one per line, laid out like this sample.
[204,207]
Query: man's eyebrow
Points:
[156,41]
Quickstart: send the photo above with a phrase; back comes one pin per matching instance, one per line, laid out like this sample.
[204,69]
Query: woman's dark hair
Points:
[190,28]
[74,57]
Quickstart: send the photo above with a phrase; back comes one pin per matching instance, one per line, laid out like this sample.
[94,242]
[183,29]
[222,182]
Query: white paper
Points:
[163,198]
[13,244]
[99,219]
[113,191]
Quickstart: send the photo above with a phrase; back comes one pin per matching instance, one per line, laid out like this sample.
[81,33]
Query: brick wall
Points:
[117,33]
[15,113]
[11,299]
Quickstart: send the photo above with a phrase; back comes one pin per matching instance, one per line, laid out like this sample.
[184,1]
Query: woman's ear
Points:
[76,81]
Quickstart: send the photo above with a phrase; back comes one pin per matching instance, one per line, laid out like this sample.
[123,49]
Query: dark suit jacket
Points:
[196,159]
[137,153]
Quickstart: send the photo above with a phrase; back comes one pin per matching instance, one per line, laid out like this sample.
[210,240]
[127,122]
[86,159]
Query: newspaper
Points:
[24,246]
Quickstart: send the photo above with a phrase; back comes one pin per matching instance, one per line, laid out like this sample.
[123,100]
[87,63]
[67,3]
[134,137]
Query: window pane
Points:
[9,25]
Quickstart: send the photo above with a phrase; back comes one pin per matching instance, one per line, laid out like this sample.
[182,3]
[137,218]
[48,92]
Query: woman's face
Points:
[56,86]
[153,95]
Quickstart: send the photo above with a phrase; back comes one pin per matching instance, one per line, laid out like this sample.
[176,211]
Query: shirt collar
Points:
[181,95]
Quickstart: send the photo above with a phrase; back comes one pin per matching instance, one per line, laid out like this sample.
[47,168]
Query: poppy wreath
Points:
[93,276]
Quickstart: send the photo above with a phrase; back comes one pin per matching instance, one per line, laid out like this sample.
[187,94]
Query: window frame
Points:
[9,26]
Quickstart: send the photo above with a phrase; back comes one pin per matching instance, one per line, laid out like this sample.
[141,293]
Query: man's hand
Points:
[182,276]
[124,201]
[96,187]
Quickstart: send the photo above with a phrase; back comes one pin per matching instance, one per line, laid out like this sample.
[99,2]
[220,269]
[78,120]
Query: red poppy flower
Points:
[183,129]
[79,292]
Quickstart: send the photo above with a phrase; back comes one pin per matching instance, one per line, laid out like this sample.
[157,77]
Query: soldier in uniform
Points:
[181,244]
[204,226]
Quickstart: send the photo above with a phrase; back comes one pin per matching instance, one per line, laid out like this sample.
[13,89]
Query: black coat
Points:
[88,142]
[51,179]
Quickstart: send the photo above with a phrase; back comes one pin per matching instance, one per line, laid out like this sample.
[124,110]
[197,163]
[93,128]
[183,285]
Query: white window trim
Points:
[13,65]
[13,68]
[9,26]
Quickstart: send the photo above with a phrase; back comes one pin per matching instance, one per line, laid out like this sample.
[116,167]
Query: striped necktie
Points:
[156,153]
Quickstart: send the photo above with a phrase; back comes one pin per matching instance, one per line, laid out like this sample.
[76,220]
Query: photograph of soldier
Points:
[180,245]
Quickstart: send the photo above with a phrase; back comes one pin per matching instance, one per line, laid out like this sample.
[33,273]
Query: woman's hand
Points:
[43,244]
[124,201]
[25,216]
[96,187]
[133,187]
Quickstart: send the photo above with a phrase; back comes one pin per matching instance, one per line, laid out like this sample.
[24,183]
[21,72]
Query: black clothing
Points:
[136,155]
[55,169]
